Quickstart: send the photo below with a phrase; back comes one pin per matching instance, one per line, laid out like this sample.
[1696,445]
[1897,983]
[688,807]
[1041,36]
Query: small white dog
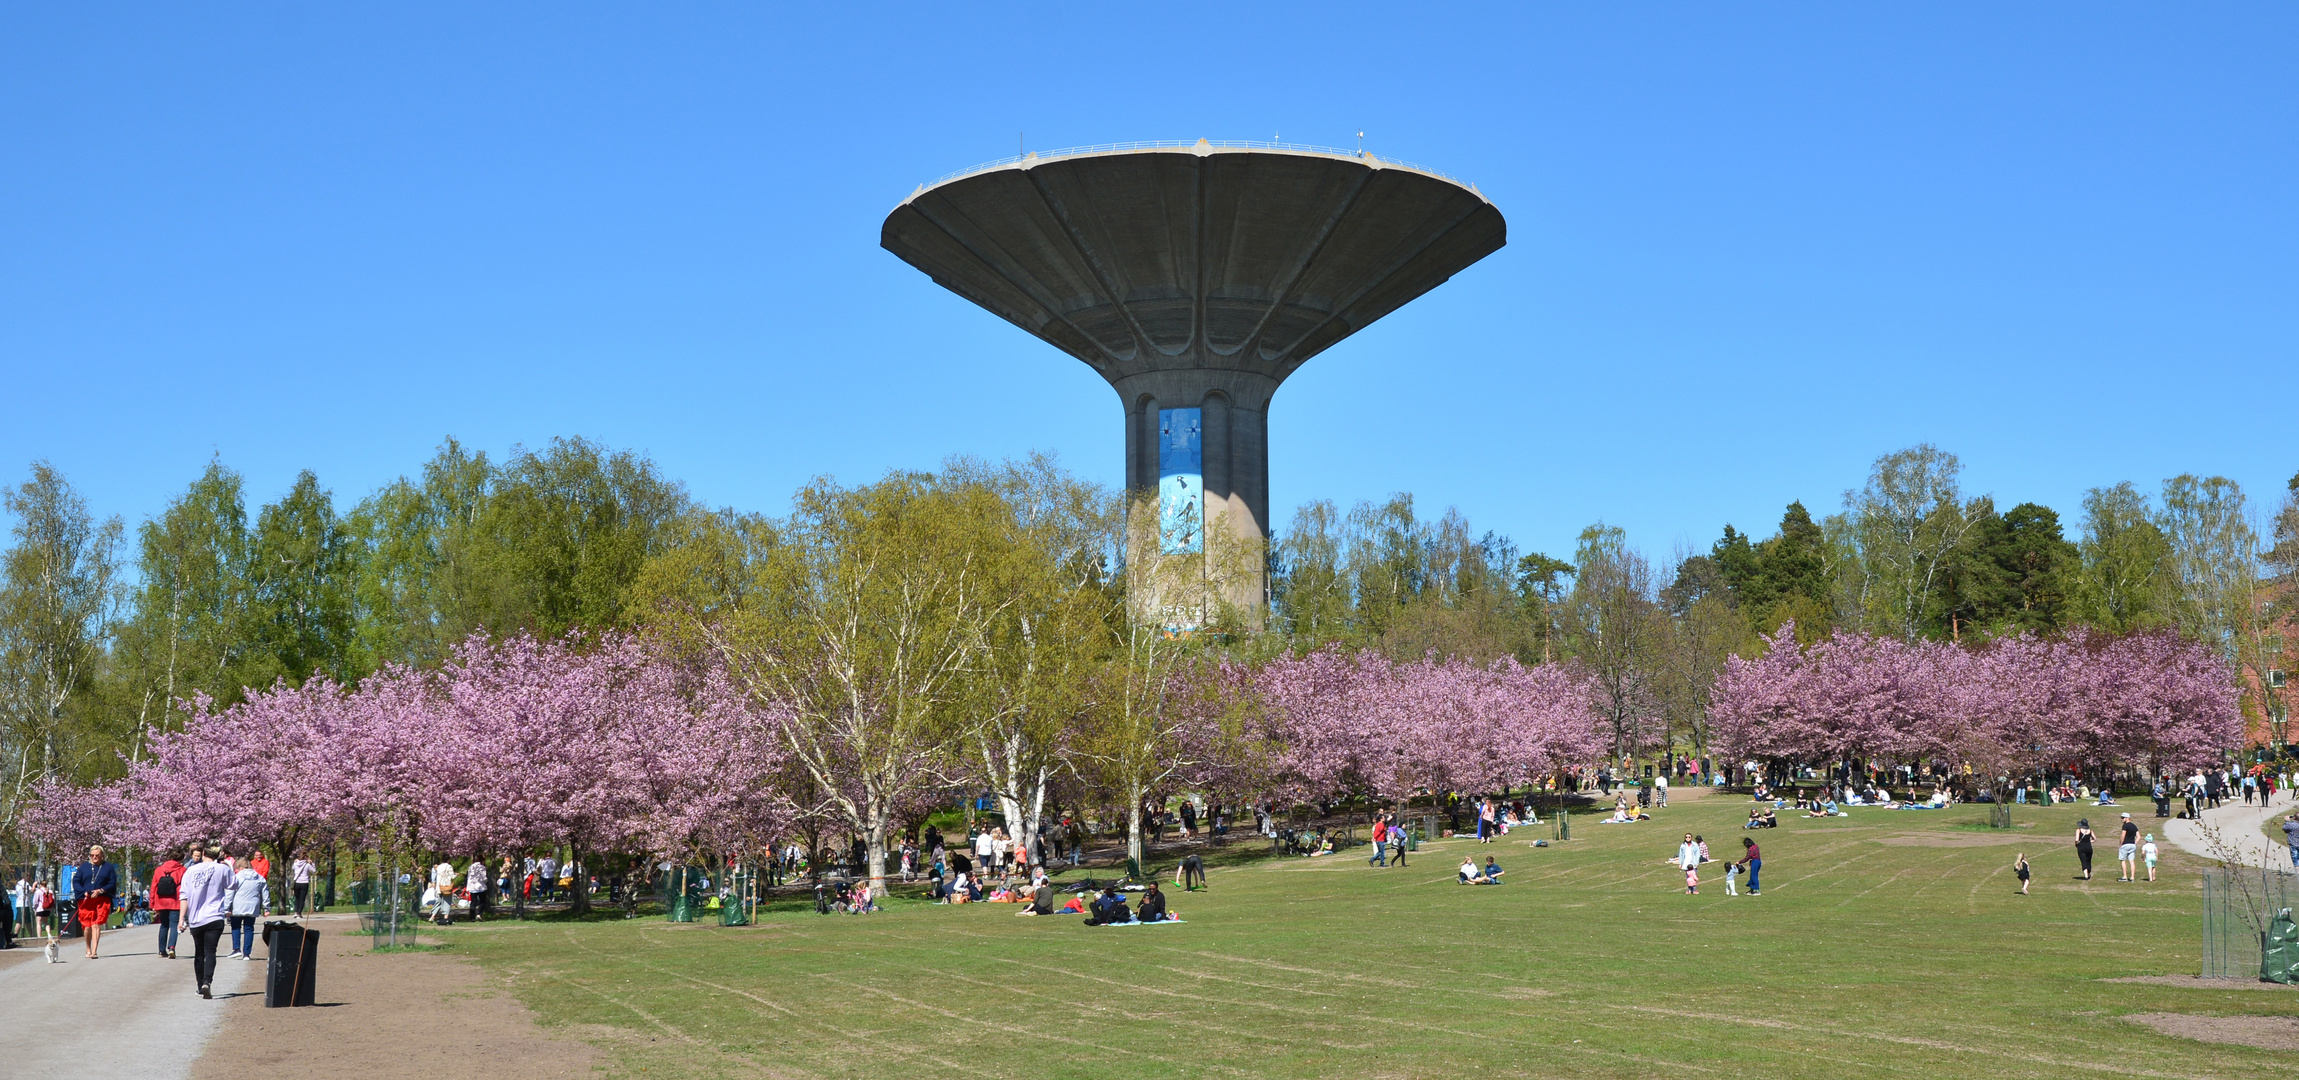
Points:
[53,952]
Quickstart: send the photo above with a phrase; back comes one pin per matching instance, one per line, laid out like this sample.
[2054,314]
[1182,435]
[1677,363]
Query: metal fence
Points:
[387,911]
[2238,904]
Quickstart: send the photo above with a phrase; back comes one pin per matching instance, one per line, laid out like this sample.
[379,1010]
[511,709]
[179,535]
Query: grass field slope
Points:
[1886,944]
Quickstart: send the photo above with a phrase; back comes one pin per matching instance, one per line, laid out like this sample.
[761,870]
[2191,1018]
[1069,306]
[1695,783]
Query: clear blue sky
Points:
[1751,246]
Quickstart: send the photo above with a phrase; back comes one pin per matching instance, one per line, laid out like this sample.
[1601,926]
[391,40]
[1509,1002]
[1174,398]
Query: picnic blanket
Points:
[1160,922]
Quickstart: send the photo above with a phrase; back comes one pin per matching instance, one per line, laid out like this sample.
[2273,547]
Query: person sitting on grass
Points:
[1469,872]
[1109,908]
[1493,871]
[1152,906]
[1041,901]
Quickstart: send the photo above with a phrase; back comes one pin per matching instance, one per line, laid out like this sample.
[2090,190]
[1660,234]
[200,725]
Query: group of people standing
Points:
[2130,852]
[1692,854]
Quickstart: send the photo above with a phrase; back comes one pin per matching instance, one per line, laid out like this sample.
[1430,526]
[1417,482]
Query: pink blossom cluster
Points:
[1359,723]
[2149,701]
[604,745]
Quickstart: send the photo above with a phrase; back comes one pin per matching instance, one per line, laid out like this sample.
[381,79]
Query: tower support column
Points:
[1201,436]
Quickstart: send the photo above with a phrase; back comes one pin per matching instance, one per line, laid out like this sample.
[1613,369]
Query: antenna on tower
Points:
[1360,144]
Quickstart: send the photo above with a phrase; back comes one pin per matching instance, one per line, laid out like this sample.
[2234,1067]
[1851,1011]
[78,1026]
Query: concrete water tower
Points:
[1195,278]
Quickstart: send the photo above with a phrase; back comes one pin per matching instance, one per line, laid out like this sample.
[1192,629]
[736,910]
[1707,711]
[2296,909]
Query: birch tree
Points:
[1160,719]
[1907,521]
[56,606]
[872,608]
[1033,683]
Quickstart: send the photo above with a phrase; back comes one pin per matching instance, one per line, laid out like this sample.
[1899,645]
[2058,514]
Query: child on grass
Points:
[1692,880]
[2020,867]
[2147,852]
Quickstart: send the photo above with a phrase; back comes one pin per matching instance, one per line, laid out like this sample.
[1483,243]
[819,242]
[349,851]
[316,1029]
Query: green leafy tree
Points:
[565,533]
[545,543]
[1310,590]
[1907,524]
[1615,629]
[58,580]
[421,572]
[192,629]
[2211,558]
[1541,590]
[868,615]
[302,573]
[2120,584]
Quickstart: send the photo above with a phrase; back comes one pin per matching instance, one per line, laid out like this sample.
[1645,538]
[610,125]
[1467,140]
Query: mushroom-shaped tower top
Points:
[1195,276]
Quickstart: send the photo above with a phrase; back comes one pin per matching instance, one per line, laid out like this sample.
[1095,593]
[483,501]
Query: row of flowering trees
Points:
[513,746]
[1361,724]
[2146,701]
[624,746]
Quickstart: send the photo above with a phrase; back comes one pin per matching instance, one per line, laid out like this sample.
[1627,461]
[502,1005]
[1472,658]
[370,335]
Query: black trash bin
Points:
[291,970]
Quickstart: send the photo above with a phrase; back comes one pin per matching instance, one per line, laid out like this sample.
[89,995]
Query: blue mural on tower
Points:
[1180,482]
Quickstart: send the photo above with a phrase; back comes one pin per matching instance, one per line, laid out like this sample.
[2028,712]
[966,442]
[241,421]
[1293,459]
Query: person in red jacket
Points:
[167,905]
[262,866]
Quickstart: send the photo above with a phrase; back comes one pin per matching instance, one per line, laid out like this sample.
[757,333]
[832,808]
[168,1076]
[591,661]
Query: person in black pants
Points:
[205,885]
[2083,846]
[1192,873]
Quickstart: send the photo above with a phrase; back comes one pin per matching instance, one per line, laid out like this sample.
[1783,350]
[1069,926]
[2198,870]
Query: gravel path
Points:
[2238,825]
[128,1014]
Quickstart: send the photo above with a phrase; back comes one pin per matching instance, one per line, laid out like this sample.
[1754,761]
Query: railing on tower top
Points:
[1185,144]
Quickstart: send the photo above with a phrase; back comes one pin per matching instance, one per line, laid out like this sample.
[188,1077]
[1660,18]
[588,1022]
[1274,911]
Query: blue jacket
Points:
[100,878]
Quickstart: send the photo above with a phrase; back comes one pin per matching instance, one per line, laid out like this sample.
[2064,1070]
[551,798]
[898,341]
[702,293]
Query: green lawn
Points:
[1889,944]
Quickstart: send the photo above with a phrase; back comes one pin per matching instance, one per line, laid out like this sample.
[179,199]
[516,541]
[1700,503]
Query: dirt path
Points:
[130,1013]
[386,1016]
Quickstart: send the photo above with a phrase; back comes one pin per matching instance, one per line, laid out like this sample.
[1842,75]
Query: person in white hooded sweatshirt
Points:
[250,896]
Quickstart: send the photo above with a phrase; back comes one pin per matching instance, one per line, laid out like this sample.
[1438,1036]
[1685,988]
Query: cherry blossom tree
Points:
[2147,700]
[1360,724]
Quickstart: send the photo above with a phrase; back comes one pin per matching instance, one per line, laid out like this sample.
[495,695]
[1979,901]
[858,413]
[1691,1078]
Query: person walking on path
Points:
[20,899]
[443,890]
[2127,851]
[2020,867]
[98,883]
[43,909]
[2291,836]
[2083,840]
[1754,861]
[206,886]
[167,904]
[299,877]
[250,897]
[475,882]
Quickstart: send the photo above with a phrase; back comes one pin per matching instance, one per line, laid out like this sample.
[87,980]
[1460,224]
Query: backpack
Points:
[166,889]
